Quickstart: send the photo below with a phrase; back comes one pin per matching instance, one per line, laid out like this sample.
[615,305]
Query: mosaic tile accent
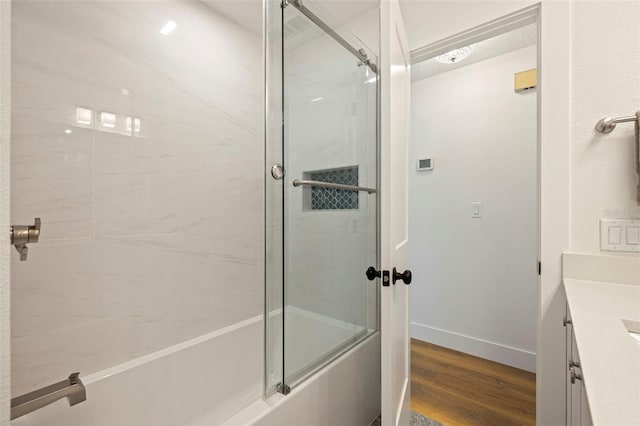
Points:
[335,199]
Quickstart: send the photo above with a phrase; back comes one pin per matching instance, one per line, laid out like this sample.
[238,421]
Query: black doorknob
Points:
[405,276]
[372,274]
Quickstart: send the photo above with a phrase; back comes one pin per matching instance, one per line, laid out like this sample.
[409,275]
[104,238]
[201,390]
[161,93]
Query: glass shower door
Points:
[329,231]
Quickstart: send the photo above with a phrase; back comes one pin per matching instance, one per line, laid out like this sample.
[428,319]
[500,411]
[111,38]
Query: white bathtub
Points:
[218,379]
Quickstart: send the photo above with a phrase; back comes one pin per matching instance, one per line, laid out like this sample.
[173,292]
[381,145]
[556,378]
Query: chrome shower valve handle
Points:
[21,235]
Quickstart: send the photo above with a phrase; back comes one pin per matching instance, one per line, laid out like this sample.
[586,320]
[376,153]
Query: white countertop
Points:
[609,356]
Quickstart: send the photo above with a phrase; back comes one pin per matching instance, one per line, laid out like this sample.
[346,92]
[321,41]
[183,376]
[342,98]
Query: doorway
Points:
[475,222]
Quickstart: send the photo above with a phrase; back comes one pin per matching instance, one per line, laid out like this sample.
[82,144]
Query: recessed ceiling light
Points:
[68,131]
[455,55]
[168,27]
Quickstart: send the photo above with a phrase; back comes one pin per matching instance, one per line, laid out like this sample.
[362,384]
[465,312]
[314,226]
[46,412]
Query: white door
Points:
[395,101]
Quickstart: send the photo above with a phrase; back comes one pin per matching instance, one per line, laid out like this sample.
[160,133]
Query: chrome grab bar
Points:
[71,388]
[299,182]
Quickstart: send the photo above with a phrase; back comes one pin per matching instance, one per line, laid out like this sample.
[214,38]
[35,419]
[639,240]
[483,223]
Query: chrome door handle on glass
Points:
[278,172]
[21,235]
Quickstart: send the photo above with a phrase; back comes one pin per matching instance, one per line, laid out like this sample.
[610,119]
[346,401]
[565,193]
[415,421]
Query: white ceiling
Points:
[428,21]
[423,22]
[248,13]
[495,46]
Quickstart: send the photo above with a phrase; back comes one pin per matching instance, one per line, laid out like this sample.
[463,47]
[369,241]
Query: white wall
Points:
[603,177]
[476,279]
[149,240]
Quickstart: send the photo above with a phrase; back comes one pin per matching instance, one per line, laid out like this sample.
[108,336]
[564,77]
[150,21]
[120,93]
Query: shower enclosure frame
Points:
[274,111]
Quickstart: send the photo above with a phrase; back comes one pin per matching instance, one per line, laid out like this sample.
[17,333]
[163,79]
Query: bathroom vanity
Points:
[603,339]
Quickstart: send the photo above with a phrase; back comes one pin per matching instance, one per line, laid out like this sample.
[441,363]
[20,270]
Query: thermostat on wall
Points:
[425,164]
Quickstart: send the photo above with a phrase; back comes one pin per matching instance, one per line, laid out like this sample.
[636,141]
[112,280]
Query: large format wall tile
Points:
[52,177]
[149,238]
[96,303]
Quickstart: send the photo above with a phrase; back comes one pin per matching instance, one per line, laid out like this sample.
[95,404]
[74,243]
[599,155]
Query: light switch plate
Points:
[476,209]
[620,235]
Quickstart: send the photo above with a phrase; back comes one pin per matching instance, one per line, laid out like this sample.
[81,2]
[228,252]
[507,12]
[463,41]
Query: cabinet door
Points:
[568,346]
[585,413]
[578,413]
[576,386]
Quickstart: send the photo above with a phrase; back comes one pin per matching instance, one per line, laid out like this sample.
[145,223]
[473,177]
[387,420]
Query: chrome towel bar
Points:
[71,388]
[299,182]
[606,125]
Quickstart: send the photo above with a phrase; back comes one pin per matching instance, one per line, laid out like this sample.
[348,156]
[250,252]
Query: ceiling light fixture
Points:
[168,27]
[455,55]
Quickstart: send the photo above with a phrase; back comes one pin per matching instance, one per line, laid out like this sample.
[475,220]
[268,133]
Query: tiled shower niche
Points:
[317,198]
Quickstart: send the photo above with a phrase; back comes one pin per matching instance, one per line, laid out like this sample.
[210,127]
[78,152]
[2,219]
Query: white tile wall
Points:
[147,240]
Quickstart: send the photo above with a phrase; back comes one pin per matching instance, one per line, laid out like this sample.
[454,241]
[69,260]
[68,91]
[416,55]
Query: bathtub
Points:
[217,379]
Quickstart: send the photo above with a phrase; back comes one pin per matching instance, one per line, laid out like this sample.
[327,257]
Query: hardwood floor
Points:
[459,389]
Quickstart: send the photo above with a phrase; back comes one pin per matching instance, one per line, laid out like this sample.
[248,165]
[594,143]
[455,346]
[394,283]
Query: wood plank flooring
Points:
[459,389]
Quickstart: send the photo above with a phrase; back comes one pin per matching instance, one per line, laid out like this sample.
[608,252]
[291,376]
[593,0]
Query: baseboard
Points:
[492,351]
